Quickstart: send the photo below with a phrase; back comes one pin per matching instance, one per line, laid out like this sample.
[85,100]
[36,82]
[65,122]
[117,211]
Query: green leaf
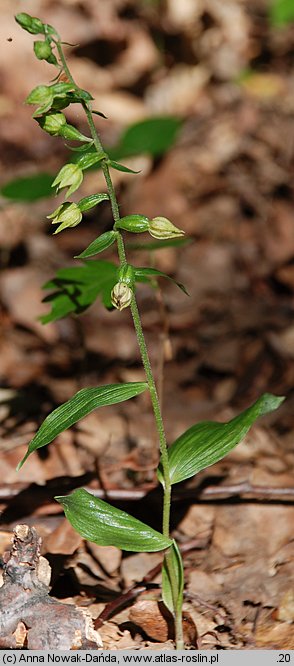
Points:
[147,272]
[78,287]
[101,523]
[87,160]
[281,12]
[61,88]
[72,134]
[208,442]
[121,167]
[173,572]
[81,404]
[153,136]
[84,95]
[30,188]
[92,200]
[99,244]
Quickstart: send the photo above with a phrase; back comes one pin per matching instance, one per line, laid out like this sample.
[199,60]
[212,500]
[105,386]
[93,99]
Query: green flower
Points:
[70,176]
[66,215]
[162,229]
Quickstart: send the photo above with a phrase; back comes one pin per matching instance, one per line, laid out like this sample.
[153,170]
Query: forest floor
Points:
[226,73]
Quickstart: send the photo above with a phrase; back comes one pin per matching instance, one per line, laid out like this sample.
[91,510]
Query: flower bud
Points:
[69,176]
[42,50]
[52,123]
[162,229]
[121,295]
[137,224]
[66,215]
[30,23]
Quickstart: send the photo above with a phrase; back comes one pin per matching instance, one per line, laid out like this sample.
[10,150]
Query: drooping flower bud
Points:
[30,23]
[67,215]
[43,50]
[52,123]
[162,229]
[69,176]
[33,25]
[121,295]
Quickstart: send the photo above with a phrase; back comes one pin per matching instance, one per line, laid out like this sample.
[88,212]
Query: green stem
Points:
[157,414]
[145,359]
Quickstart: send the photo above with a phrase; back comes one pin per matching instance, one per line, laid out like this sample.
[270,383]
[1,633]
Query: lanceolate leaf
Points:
[99,244]
[208,442]
[149,272]
[173,575]
[105,525]
[87,160]
[121,167]
[81,404]
[92,200]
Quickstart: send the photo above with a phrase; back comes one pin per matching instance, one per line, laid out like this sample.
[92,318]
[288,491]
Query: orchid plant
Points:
[202,444]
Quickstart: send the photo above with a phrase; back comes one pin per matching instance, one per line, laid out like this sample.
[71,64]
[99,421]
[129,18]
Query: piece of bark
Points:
[29,618]
[157,622]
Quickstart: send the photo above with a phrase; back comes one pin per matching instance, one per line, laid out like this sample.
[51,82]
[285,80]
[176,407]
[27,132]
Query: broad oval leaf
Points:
[153,136]
[208,442]
[99,244]
[101,523]
[81,404]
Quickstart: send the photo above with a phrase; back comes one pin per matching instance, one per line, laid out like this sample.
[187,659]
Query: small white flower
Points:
[162,229]
[121,295]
